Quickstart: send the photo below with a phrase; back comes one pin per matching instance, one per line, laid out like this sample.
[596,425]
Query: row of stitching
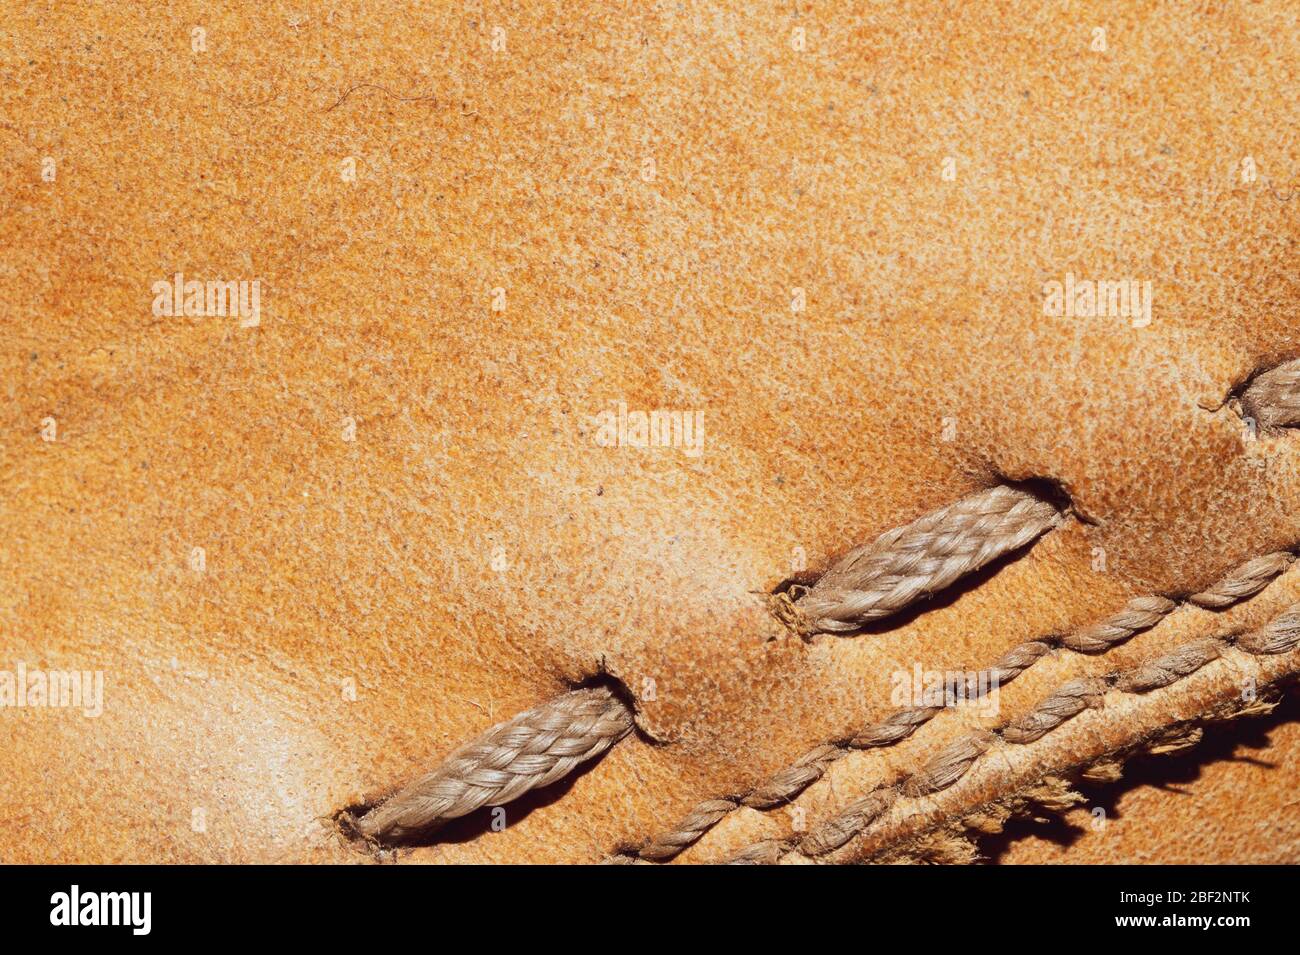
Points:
[1139,614]
[902,566]
[951,840]
[1280,635]
[546,743]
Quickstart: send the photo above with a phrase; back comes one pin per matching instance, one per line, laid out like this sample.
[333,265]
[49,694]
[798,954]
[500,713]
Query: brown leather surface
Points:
[922,368]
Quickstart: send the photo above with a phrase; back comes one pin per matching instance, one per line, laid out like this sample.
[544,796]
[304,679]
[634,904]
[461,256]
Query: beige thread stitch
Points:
[546,743]
[1280,635]
[534,749]
[907,563]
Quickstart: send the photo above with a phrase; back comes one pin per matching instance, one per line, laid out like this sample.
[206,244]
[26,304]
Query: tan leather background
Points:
[922,368]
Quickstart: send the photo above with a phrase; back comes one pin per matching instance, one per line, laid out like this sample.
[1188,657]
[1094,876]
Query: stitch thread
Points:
[872,581]
[907,563]
[1280,635]
[534,749]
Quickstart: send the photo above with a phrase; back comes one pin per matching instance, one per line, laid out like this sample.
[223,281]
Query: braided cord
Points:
[916,560]
[534,749]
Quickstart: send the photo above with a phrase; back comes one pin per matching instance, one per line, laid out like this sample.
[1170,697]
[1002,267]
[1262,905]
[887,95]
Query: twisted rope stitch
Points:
[907,563]
[534,749]
[1273,398]
[1280,635]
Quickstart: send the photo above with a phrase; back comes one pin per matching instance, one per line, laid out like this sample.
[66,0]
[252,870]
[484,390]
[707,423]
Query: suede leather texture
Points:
[409,528]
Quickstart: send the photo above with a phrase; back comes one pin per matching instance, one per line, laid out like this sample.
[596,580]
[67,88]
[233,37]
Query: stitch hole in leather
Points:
[1269,398]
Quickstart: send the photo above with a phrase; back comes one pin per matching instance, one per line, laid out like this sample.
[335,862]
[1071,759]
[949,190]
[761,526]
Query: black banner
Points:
[368,904]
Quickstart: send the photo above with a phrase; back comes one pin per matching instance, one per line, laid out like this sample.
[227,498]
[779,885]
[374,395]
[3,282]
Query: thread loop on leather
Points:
[908,563]
[534,749]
